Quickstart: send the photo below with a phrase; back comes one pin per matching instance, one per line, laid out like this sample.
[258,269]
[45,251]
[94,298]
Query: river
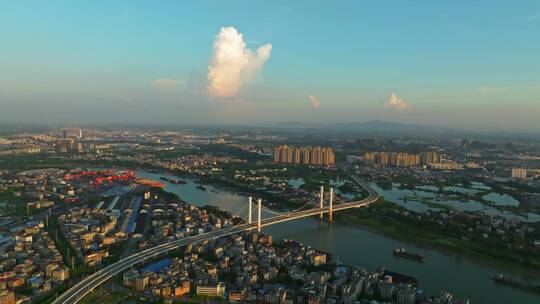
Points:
[353,246]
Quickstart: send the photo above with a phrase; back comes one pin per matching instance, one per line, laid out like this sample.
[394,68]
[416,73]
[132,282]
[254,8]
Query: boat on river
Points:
[500,278]
[173,181]
[401,252]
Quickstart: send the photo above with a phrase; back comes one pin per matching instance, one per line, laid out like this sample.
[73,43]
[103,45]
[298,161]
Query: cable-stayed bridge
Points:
[85,286]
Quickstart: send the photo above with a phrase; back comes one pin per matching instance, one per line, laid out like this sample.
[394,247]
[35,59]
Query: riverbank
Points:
[409,234]
[227,185]
[424,238]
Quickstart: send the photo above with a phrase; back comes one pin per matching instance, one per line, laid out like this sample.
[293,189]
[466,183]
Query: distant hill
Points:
[386,128]
[380,126]
[377,127]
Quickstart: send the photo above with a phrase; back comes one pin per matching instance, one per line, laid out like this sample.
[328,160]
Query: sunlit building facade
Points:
[319,156]
[402,159]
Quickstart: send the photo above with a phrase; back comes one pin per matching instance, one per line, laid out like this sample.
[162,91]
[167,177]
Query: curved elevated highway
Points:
[85,286]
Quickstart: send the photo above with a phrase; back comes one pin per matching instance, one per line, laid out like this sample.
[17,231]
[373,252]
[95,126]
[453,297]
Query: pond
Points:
[412,200]
[295,183]
[501,199]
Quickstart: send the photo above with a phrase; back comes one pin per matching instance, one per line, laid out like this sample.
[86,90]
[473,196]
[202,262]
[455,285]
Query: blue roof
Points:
[157,266]
[133,217]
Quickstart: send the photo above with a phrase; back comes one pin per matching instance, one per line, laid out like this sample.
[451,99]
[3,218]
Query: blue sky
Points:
[467,64]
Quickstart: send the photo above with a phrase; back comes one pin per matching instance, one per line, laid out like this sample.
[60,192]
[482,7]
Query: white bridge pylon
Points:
[330,203]
[321,206]
[250,212]
[321,201]
[250,199]
[330,209]
[259,217]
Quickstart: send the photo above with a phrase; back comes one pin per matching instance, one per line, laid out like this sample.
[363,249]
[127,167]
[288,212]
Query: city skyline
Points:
[312,215]
[459,65]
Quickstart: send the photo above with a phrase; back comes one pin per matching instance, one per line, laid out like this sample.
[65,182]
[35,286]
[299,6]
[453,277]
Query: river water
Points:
[353,246]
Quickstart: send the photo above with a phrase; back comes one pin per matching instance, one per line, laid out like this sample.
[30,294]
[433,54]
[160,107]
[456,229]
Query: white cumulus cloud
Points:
[233,64]
[314,102]
[396,103]
[166,84]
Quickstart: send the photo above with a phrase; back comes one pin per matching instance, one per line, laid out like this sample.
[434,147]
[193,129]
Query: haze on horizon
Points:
[461,64]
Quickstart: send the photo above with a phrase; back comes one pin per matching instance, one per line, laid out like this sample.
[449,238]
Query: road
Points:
[85,286]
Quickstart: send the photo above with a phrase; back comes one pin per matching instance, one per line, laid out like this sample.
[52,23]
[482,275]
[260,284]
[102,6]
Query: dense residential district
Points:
[73,203]
[247,267]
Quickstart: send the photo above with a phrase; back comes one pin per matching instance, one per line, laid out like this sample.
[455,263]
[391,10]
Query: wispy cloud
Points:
[166,84]
[396,103]
[314,102]
[233,64]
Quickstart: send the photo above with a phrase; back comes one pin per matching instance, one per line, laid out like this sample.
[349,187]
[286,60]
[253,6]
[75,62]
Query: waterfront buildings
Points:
[402,159]
[519,173]
[250,268]
[446,165]
[68,145]
[217,290]
[304,155]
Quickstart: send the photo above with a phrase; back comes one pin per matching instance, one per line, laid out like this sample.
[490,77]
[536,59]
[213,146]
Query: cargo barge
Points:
[500,278]
[173,181]
[401,252]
